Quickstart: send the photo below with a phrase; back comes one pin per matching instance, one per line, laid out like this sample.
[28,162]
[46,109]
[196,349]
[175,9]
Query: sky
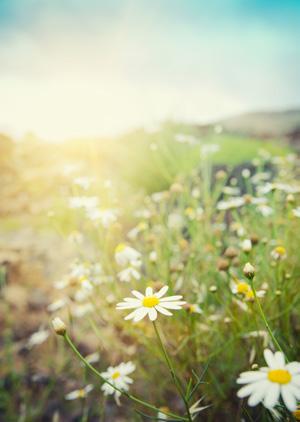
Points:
[91,68]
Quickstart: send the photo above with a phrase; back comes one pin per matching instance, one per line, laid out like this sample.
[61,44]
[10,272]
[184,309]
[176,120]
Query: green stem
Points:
[172,371]
[124,393]
[264,317]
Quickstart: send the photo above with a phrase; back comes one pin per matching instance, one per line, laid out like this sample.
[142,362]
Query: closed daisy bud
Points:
[231,252]
[59,326]
[290,198]
[254,239]
[213,289]
[249,271]
[223,264]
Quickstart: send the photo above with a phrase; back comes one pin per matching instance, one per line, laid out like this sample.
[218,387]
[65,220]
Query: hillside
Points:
[267,124]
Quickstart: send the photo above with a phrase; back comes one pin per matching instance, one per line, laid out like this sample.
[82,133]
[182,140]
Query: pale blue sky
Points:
[73,68]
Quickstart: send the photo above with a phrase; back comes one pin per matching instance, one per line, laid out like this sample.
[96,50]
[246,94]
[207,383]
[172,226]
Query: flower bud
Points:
[249,271]
[59,326]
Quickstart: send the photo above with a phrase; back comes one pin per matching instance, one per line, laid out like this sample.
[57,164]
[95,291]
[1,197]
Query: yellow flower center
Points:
[120,248]
[150,301]
[281,376]
[249,295]
[81,394]
[115,375]
[243,287]
[280,250]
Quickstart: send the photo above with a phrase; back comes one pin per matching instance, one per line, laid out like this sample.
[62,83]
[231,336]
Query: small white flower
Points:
[118,376]
[79,394]
[128,274]
[150,304]
[126,255]
[269,383]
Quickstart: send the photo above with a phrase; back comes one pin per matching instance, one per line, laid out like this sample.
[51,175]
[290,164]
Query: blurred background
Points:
[119,96]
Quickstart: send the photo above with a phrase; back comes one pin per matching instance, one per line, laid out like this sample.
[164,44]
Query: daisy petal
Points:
[162,291]
[258,395]
[247,390]
[270,359]
[251,376]
[149,291]
[128,305]
[131,315]
[169,298]
[152,313]
[279,357]
[272,396]
[171,305]
[288,397]
[295,390]
[137,294]
[296,380]
[163,310]
[293,367]
[140,314]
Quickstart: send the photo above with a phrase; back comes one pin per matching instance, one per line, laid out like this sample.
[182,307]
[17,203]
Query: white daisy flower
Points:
[126,255]
[150,303]
[79,394]
[128,274]
[118,376]
[269,383]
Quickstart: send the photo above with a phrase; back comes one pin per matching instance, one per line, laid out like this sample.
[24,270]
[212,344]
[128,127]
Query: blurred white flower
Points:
[265,210]
[37,338]
[175,221]
[126,255]
[79,394]
[118,376]
[85,202]
[128,274]
[84,182]
[246,245]
[296,212]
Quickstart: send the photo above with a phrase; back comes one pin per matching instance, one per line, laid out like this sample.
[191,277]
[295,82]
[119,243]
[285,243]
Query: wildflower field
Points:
[150,277]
